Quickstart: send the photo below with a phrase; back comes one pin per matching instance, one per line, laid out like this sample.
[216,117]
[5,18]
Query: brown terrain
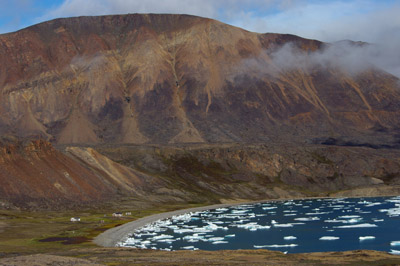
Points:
[155,112]
[179,79]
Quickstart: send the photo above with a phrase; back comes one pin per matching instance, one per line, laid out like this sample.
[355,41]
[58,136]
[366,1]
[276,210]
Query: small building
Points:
[117,214]
[75,219]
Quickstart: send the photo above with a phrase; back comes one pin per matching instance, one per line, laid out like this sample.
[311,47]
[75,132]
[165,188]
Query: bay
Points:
[293,226]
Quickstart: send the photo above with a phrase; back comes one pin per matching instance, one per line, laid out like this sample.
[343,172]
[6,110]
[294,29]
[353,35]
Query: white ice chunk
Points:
[394,252]
[349,216]
[395,243]
[329,238]
[283,225]
[289,238]
[162,237]
[188,247]
[362,238]
[269,208]
[357,226]
[213,239]
[219,242]
[276,246]
[307,219]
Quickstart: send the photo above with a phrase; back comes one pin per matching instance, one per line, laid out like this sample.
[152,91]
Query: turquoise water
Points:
[293,226]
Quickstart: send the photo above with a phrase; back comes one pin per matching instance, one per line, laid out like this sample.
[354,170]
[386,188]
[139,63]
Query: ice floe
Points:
[394,252]
[362,238]
[329,238]
[357,226]
[395,243]
[307,219]
[276,246]
[289,238]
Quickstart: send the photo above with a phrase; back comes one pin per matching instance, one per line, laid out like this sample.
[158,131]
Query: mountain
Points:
[177,79]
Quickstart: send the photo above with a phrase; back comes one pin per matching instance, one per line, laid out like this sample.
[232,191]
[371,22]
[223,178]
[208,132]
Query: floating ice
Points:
[162,237]
[307,219]
[394,252]
[329,238]
[189,247]
[232,235]
[283,225]
[362,238]
[239,211]
[193,237]
[395,243]
[183,231]
[289,238]
[349,216]
[213,239]
[276,246]
[357,226]
[317,213]
[269,208]
[219,242]
[253,226]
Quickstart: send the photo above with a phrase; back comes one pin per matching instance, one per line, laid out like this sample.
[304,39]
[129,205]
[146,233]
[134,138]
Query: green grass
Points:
[25,231]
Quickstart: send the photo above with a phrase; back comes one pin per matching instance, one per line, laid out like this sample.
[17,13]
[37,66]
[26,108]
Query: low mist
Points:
[351,57]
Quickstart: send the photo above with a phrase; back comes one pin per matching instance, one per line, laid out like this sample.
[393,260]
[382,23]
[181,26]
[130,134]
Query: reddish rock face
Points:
[176,79]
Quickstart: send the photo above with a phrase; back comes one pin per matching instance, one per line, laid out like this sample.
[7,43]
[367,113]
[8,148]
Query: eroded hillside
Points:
[178,79]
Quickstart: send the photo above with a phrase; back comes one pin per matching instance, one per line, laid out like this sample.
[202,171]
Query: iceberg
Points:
[213,239]
[253,226]
[362,238]
[276,246]
[188,247]
[349,216]
[329,238]
[162,237]
[394,252]
[283,225]
[395,243]
[269,208]
[289,238]
[219,242]
[357,226]
[307,219]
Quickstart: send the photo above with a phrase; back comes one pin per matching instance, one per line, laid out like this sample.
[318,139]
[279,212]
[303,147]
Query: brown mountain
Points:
[178,79]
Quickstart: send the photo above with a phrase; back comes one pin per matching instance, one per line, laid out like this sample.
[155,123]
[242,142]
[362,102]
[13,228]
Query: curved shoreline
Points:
[113,236]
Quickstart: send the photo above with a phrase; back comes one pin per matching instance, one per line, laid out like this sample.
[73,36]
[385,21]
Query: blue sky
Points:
[327,20]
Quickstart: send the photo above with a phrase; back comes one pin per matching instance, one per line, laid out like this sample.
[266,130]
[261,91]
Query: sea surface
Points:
[293,226]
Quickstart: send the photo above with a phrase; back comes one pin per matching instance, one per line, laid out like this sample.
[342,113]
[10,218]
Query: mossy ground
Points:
[25,232]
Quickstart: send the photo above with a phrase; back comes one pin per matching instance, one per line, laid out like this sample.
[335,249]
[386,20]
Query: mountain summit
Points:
[147,78]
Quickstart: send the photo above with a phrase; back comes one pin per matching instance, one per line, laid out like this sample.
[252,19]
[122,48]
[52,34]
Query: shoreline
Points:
[113,236]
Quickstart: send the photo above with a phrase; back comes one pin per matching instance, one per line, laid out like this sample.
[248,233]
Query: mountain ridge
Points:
[178,78]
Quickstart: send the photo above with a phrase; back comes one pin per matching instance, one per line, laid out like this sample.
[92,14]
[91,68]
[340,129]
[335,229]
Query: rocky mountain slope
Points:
[178,79]
[35,175]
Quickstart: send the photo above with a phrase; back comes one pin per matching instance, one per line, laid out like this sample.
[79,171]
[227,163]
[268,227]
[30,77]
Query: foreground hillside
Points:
[177,79]
[35,175]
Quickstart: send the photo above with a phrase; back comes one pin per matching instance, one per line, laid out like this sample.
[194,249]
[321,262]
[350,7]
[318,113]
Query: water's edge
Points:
[113,236]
